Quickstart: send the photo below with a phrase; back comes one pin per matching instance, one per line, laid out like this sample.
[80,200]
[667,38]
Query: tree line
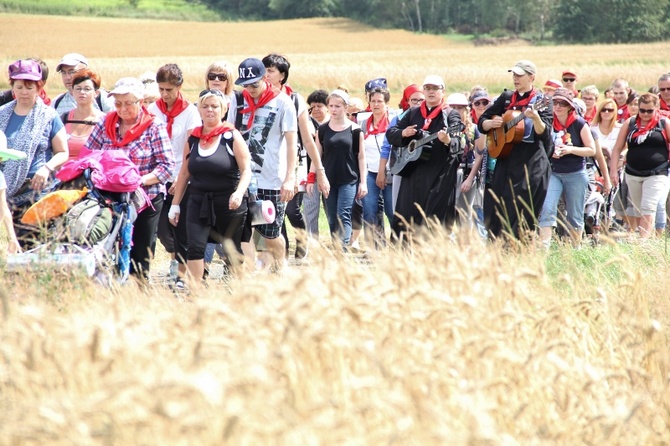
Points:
[570,21]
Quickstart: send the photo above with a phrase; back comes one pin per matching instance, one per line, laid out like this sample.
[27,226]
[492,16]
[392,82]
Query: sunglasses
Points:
[217,77]
[212,92]
[480,103]
[569,79]
[607,110]
[664,89]
[560,104]
[646,110]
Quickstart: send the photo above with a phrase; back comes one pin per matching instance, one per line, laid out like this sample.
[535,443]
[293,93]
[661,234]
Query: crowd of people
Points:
[517,164]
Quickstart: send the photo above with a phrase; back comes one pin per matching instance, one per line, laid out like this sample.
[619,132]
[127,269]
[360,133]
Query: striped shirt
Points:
[151,152]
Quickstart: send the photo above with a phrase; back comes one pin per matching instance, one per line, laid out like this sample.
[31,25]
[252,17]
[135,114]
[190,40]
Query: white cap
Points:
[433,79]
[129,85]
[71,60]
[457,99]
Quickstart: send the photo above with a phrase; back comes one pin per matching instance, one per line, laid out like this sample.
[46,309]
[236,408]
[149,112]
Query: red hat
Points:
[406,93]
[572,73]
[552,84]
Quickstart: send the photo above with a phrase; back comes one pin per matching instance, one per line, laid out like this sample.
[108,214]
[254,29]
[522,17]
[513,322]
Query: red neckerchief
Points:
[517,103]
[179,106]
[588,117]
[382,125]
[655,117]
[208,137]
[473,116]
[664,105]
[428,118]
[288,90]
[112,118]
[623,113]
[269,94]
[572,117]
[45,98]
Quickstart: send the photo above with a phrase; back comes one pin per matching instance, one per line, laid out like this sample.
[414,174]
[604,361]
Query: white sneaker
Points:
[174,267]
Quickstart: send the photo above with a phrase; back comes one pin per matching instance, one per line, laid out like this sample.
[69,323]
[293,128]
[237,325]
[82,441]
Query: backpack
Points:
[88,222]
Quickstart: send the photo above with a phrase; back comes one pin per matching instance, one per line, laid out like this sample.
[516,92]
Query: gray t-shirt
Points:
[266,138]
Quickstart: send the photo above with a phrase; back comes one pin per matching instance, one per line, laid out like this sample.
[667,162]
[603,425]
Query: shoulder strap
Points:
[58,100]
[294,96]
[356,140]
[64,118]
[239,98]
[192,140]
[98,100]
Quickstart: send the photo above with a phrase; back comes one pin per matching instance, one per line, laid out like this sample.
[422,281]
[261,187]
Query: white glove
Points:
[174,211]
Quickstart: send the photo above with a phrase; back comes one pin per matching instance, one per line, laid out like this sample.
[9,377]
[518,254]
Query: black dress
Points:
[431,187]
[513,201]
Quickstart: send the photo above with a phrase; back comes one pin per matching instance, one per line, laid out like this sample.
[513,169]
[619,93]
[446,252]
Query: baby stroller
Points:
[94,235]
[595,209]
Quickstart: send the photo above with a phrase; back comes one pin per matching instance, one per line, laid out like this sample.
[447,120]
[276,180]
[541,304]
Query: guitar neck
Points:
[452,130]
[514,121]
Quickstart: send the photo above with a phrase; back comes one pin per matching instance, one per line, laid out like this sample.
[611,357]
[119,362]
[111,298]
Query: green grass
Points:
[152,9]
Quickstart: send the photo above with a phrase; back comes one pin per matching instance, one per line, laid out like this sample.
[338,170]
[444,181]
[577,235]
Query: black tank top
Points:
[215,173]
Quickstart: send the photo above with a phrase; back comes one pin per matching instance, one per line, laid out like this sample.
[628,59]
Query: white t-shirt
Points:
[185,121]
[607,142]
[3,183]
[266,138]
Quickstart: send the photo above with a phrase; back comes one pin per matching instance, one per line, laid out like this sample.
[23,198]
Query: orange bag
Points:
[51,206]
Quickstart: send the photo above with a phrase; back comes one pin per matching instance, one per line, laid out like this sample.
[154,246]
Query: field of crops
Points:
[449,342]
[324,52]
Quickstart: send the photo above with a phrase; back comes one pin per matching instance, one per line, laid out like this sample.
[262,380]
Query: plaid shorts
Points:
[272,230]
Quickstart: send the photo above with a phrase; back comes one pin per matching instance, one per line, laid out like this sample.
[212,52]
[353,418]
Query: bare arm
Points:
[243,158]
[362,169]
[602,165]
[287,188]
[60,156]
[616,152]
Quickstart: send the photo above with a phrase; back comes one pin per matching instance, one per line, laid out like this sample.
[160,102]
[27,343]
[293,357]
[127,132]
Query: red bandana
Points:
[623,113]
[664,105]
[428,118]
[179,106]
[288,90]
[112,118]
[269,94]
[588,117]
[655,117]
[517,104]
[208,137]
[381,127]
[45,98]
[473,116]
[560,127]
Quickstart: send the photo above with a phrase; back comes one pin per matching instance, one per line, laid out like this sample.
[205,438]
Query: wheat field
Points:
[324,53]
[451,342]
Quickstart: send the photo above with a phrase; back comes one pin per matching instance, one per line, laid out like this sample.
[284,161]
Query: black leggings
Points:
[174,239]
[228,226]
[144,238]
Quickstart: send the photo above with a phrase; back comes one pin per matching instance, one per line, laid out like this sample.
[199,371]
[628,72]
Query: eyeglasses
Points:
[125,104]
[646,110]
[607,110]
[480,103]
[560,104]
[216,76]
[431,88]
[253,85]
[569,79]
[86,90]
[416,101]
[664,89]
[69,72]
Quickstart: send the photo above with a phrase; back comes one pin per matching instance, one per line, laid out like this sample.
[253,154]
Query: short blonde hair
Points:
[221,67]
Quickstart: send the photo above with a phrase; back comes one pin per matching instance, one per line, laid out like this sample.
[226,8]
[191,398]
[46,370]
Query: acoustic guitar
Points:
[403,160]
[501,140]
